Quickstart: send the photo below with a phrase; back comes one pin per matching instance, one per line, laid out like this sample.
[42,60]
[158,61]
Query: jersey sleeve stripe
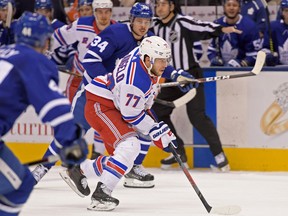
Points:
[58,36]
[135,119]
[52,104]
[61,119]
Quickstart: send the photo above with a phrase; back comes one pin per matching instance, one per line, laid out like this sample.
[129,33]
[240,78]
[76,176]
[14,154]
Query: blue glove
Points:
[162,136]
[271,59]
[217,61]
[75,153]
[181,75]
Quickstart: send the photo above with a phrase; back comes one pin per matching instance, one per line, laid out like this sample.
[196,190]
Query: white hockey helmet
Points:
[154,47]
[102,4]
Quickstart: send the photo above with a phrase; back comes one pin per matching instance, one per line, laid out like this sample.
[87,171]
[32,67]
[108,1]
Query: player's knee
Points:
[127,151]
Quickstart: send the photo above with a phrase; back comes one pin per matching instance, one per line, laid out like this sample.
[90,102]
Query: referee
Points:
[181,32]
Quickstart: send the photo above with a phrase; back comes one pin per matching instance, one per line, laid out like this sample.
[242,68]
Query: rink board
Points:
[235,106]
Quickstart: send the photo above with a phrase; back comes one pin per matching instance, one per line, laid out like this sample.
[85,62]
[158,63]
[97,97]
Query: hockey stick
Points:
[227,210]
[178,102]
[260,60]
[49,159]
[63,69]
[9,14]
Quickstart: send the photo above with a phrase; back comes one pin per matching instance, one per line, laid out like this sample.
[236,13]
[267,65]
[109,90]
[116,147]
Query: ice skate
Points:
[138,177]
[102,200]
[76,180]
[222,163]
[170,161]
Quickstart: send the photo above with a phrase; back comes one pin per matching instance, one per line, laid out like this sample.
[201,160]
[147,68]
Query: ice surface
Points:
[258,194]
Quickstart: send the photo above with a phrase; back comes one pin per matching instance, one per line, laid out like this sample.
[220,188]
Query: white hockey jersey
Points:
[132,90]
[83,31]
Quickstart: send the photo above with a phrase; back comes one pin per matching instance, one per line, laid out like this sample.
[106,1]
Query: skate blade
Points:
[172,166]
[70,183]
[218,170]
[226,210]
[135,183]
[101,206]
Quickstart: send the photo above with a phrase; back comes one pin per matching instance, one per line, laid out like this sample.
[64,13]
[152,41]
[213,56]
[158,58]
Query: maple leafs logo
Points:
[283,53]
[228,52]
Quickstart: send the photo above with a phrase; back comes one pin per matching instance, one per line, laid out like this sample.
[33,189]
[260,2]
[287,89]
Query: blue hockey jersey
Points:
[237,46]
[279,35]
[107,48]
[255,10]
[29,78]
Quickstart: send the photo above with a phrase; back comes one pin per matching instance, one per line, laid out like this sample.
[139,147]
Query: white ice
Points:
[257,193]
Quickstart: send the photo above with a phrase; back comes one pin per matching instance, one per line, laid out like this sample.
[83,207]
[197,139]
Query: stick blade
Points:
[185,99]
[260,60]
[226,210]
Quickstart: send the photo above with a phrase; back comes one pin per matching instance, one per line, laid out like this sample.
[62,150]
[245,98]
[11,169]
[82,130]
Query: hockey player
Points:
[279,39]
[181,32]
[235,50]
[118,107]
[45,8]
[255,10]
[7,11]
[104,52]
[82,31]
[28,77]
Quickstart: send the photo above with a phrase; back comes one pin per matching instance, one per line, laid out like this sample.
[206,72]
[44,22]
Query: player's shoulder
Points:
[87,20]
[246,22]
[142,78]
[26,59]
[277,23]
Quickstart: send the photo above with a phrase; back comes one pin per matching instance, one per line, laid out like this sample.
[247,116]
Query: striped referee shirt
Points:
[181,32]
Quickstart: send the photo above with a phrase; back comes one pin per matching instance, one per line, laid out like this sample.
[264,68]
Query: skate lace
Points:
[106,190]
[139,170]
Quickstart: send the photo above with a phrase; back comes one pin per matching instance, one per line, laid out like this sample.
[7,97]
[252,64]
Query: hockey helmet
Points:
[141,10]
[32,29]
[43,4]
[102,4]
[84,2]
[3,3]
[154,47]
[284,4]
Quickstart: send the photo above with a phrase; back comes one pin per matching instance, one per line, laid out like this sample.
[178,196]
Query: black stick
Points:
[189,177]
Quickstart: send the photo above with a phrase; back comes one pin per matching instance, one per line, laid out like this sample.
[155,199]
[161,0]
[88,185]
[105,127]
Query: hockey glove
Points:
[234,63]
[271,59]
[162,136]
[217,61]
[181,75]
[75,153]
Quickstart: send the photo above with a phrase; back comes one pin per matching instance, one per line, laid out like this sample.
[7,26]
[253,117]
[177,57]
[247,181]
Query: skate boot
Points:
[76,180]
[95,155]
[138,177]
[39,172]
[222,163]
[170,161]
[101,199]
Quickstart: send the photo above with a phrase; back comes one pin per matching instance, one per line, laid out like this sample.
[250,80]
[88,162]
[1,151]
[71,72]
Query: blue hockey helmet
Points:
[3,3]
[43,4]
[84,2]
[284,4]
[32,29]
[141,10]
